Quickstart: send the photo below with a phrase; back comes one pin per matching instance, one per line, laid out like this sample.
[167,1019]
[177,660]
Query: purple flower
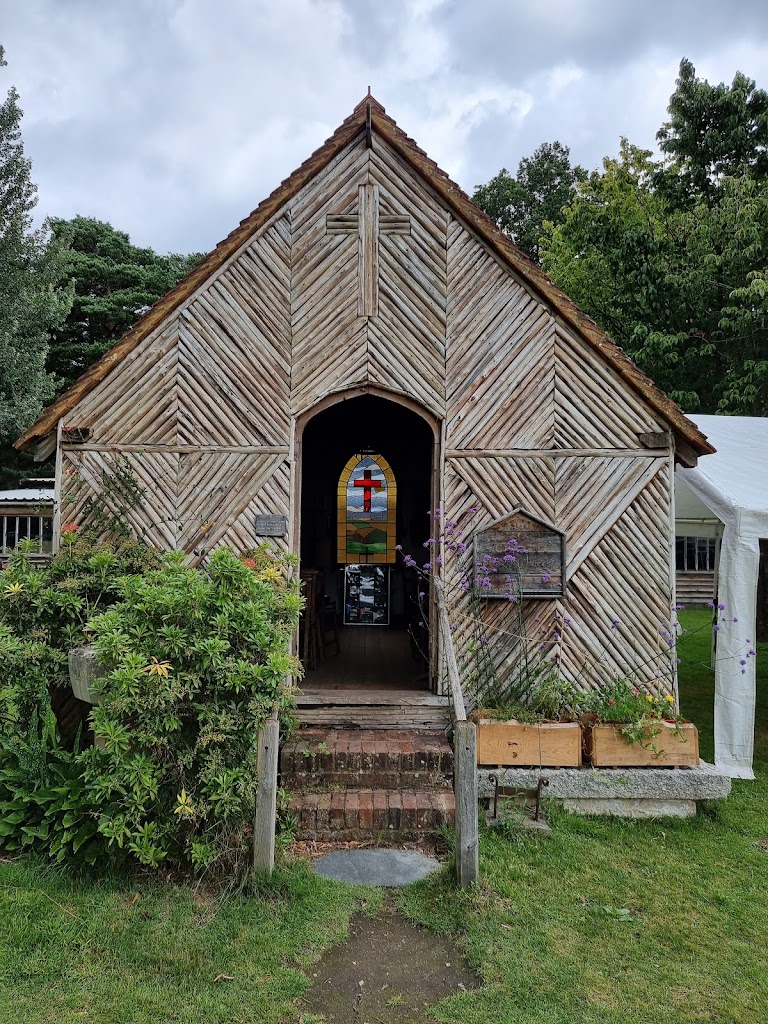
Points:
[436,514]
[710,604]
[615,623]
[485,582]
[743,661]
[566,621]
[716,628]
[398,547]
[735,619]
[751,653]
[721,607]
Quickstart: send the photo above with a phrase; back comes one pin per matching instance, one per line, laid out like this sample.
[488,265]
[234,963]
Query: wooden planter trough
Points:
[551,744]
[673,746]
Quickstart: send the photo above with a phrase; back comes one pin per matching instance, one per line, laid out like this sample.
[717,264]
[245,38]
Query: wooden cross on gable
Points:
[367,224]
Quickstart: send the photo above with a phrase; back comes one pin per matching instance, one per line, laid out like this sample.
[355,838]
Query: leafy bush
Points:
[198,658]
[52,603]
[195,660]
[44,802]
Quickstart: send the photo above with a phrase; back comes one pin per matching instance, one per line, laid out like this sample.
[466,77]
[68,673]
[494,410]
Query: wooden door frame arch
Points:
[300,422]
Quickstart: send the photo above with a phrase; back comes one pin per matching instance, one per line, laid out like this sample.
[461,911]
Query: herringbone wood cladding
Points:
[204,410]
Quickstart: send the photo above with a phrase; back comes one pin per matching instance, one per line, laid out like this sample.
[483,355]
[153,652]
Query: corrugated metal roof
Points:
[27,495]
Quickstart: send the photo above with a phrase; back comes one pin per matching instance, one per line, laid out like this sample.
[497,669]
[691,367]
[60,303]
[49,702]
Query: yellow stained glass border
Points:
[341,493]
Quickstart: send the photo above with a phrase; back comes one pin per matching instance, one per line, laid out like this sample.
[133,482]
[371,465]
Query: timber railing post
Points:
[465,789]
[465,758]
[266,797]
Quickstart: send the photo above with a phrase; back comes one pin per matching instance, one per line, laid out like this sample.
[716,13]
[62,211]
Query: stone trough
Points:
[622,792]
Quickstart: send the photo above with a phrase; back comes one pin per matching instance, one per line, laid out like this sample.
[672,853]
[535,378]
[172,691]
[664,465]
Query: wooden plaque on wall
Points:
[519,555]
[271,526]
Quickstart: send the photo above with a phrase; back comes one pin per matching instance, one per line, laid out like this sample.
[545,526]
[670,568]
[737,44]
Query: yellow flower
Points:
[158,668]
[14,588]
[185,807]
[649,698]
[669,700]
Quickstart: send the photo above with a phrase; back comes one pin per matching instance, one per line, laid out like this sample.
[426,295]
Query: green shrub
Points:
[196,660]
[199,658]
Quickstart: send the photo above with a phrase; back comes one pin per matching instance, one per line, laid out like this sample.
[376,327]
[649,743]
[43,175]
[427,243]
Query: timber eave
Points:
[691,441]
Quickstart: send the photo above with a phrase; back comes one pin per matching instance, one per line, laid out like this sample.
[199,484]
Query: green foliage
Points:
[114,282]
[33,301]
[668,256]
[714,132]
[641,715]
[199,657]
[44,802]
[545,183]
[196,660]
[49,606]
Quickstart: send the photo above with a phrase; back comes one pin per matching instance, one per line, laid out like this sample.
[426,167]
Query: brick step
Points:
[365,778]
[366,758]
[390,815]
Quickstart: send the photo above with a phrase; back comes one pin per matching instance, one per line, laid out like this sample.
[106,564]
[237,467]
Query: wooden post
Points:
[266,798]
[465,787]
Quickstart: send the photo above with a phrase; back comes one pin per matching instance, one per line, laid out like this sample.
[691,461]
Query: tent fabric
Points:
[733,485]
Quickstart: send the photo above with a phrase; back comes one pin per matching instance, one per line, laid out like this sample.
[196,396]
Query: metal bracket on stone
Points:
[85,669]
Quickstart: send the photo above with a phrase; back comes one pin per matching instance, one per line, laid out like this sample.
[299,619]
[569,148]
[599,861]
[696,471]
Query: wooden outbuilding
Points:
[367,347]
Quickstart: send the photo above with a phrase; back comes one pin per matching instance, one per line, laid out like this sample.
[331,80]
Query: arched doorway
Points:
[368,477]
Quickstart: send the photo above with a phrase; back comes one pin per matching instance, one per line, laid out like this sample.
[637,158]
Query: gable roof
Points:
[369,115]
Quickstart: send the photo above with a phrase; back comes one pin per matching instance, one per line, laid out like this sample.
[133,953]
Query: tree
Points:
[670,256]
[32,300]
[545,183]
[714,132]
[114,283]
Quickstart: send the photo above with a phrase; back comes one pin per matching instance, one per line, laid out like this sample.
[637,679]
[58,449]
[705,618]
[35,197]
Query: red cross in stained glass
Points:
[368,484]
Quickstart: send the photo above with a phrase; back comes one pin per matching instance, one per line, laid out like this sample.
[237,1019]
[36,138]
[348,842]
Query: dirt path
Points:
[388,971]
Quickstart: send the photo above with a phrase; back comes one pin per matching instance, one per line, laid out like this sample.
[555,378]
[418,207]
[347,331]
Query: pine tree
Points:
[32,301]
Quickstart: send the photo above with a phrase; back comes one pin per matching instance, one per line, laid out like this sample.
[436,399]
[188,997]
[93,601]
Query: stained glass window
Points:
[367,500]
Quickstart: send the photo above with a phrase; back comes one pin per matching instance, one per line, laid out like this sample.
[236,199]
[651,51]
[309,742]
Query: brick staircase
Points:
[383,785]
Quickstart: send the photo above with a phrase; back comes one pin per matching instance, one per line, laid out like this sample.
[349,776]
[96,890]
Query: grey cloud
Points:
[515,39]
[174,118]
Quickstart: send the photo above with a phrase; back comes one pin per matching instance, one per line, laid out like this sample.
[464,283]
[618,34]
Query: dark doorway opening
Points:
[373,650]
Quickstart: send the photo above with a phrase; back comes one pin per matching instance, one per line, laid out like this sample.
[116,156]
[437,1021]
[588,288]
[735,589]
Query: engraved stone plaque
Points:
[271,526]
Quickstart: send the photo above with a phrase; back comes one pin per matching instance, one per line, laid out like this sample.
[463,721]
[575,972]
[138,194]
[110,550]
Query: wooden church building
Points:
[366,348]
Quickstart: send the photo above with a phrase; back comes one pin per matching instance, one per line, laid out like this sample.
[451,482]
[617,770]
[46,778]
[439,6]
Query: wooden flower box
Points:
[674,746]
[551,744]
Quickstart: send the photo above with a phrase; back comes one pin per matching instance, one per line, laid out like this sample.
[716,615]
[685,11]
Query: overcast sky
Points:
[172,119]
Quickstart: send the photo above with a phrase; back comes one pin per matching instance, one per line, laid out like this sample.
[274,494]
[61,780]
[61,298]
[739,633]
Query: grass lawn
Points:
[603,922]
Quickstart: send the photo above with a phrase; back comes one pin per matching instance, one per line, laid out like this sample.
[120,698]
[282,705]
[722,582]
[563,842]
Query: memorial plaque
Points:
[271,526]
[519,556]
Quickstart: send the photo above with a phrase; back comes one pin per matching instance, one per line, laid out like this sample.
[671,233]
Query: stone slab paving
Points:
[626,792]
[390,868]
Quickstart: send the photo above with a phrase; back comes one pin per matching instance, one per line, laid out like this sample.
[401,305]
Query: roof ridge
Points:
[457,199]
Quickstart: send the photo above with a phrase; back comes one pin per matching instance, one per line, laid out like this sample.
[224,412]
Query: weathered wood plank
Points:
[266,797]
[466,792]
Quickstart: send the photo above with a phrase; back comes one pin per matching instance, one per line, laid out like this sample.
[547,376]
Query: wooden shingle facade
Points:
[368,273]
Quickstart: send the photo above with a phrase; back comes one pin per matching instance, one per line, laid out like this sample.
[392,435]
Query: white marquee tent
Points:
[731,487]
